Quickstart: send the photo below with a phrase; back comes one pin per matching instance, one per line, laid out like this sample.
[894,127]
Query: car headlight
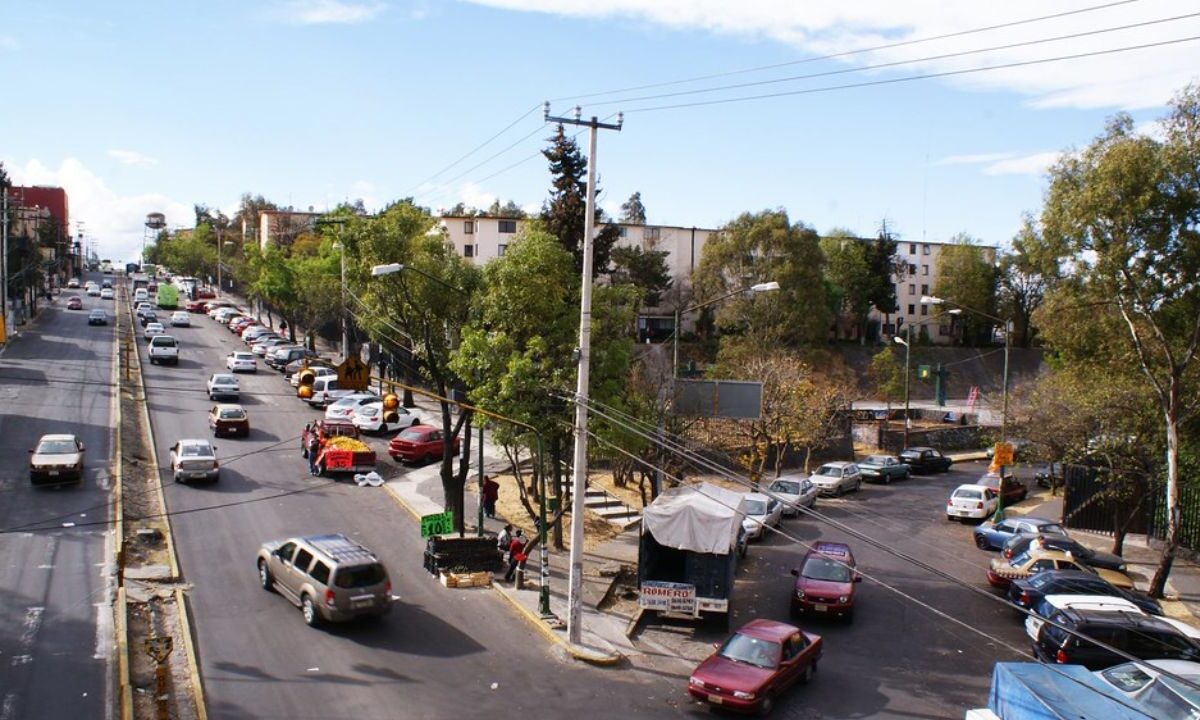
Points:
[844,599]
[693,680]
[743,695]
[799,594]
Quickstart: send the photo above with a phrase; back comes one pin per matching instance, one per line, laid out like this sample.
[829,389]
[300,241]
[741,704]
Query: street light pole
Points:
[757,288]
[907,354]
[219,284]
[933,300]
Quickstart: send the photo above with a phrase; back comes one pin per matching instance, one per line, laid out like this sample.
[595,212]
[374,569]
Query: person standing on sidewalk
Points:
[516,555]
[314,447]
[491,493]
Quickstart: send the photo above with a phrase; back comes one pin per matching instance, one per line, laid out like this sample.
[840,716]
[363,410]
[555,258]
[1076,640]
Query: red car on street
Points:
[205,293]
[825,581]
[419,443]
[196,306]
[751,669]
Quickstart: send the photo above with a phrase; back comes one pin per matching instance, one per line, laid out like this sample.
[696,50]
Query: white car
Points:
[93,290]
[241,362]
[107,294]
[255,331]
[373,418]
[261,337]
[837,478]
[180,318]
[260,347]
[223,385]
[164,349]
[1145,683]
[194,460]
[795,492]
[344,407]
[318,371]
[760,511]
[153,329]
[143,308]
[971,502]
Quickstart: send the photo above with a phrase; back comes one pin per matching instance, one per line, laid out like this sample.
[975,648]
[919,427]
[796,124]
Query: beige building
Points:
[921,262]
[281,227]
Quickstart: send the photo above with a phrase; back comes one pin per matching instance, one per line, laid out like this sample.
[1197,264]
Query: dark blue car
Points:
[1029,592]
[992,536]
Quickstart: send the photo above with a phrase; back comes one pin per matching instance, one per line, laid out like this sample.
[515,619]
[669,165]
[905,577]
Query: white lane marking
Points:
[9,709]
[29,631]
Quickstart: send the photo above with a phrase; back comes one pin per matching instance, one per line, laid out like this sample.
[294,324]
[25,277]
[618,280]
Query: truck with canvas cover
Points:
[1033,691]
[687,554]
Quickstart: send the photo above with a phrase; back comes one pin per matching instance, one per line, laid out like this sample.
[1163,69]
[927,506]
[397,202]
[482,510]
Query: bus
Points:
[106,267]
[168,297]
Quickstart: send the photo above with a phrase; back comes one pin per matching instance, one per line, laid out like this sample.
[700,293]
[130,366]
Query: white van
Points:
[325,390]
[140,295]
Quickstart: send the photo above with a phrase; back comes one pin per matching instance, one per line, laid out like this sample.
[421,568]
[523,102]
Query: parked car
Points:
[419,443]
[281,357]
[164,349]
[1082,553]
[1143,637]
[1036,559]
[107,294]
[325,390]
[795,492]
[241,362]
[152,329]
[884,469]
[1146,684]
[74,303]
[260,347]
[196,306]
[761,511]
[925,459]
[97,317]
[240,324]
[205,293]
[757,664]
[194,459]
[992,536]
[255,338]
[971,502]
[373,417]
[1047,605]
[255,331]
[1029,592]
[343,408]
[837,478]
[330,578]
[825,582]
[221,385]
[318,371]
[1010,488]
[56,458]
[180,318]
[228,419]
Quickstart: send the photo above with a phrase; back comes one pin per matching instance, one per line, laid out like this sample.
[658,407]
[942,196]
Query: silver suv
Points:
[330,578]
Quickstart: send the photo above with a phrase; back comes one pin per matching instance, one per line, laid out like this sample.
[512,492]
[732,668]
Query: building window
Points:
[468,251]
[912,309]
[924,289]
[622,232]
[651,233]
[468,226]
[924,309]
[912,269]
[508,226]
[501,249]
[912,248]
[925,249]
[912,289]
[924,269]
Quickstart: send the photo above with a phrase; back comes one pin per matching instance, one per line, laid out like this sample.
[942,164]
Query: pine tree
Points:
[563,214]
[633,211]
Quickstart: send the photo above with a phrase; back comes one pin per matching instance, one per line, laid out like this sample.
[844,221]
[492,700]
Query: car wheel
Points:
[766,706]
[429,458]
[264,576]
[809,672]
[309,611]
[840,491]
[321,469]
[383,428]
[857,485]
[981,542]
[887,479]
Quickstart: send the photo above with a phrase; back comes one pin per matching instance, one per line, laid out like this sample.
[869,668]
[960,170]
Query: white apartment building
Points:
[922,263]
[281,227]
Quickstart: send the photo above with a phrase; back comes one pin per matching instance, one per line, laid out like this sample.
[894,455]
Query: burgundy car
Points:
[825,581]
[196,306]
[419,443]
[755,666]
[75,303]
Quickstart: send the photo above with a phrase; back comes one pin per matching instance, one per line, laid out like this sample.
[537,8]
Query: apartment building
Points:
[921,267]
[280,227]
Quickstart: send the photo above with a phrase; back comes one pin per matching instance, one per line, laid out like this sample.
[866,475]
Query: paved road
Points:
[441,653]
[55,617]
[897,659]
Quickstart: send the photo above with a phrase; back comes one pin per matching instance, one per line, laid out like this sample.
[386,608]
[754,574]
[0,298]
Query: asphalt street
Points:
[441,653]
[898,658]
[55,589]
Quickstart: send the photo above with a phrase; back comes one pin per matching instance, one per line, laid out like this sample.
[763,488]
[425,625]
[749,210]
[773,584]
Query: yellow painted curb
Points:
[553,637]
[401,502]
[185,628]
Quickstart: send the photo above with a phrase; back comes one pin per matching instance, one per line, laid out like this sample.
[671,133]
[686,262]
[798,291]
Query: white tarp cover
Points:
[701,518]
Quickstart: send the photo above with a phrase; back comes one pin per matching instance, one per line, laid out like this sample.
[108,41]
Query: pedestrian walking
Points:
[283,327]
[504,539]
[314,447]
[516,555]
[491,493]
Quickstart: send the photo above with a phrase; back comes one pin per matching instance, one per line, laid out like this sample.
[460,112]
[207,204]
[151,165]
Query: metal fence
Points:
[1091,502]
[1189,509]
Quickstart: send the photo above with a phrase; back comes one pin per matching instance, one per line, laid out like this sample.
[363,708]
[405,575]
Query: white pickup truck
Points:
[164,349]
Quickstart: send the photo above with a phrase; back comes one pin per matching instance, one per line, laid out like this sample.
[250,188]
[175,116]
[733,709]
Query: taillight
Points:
[949,503]
[329,599]
[1008,554]
[1024,599]
[216,465]
[387,588]
[978,506]
[1060,657]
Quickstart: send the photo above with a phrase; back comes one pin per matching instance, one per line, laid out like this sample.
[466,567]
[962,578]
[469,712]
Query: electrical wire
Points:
[476,149]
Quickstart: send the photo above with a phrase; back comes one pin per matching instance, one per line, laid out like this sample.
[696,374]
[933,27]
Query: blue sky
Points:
[147,106]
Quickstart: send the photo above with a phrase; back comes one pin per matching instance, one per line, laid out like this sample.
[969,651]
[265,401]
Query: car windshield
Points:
[232,413]
[822,568]
[878,460]
[359,576]
[789,487]
[195,451]
[751,650]
[243,356]
[224,380]
[967,494]
[1052,529]
[164,341]
[369,410]
[754,507]
[56,447]
[829,471]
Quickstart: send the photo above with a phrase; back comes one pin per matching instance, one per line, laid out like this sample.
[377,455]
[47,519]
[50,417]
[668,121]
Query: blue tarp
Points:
[1032,691]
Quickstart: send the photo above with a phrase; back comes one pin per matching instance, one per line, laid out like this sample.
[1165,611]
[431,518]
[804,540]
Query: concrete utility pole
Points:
[4,261]
[579,477]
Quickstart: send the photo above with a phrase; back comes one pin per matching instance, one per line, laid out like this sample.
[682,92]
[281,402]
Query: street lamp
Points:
[757,288]
[907,354]
[933,300]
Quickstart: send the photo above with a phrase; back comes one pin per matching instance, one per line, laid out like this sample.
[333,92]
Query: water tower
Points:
[155,222]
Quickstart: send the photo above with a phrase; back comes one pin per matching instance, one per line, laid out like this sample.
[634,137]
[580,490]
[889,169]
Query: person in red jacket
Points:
[516,555]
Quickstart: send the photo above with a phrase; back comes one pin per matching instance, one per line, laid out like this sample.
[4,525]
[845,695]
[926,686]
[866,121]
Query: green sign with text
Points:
[439,524]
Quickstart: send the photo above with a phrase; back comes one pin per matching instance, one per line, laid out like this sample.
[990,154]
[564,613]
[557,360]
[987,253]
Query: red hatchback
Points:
[419,443]
[196,306]
[825,581]
[755,666]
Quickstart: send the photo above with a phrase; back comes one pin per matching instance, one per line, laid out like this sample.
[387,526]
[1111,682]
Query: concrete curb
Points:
[121,609]
[401,502]
[185,629]
[125,704]
[578,652]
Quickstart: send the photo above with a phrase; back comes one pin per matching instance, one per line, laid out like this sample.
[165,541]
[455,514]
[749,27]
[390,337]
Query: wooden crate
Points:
[466,580]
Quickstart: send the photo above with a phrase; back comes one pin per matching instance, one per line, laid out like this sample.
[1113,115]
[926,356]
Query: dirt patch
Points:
[596,530]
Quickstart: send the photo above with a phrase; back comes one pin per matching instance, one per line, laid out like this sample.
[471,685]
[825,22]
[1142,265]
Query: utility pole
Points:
[345,324]
[579,477]
[219,285]
[4,259]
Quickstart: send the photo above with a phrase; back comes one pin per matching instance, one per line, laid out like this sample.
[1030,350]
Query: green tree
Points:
[849,277]
[887,376]
[1126,208]
[883,266]
[633,211]
[508,210]
[644,269]
[1023,277]
[563,214]
[766,247]
[966,278]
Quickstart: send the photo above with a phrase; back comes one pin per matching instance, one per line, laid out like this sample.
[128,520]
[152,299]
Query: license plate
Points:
[53,473]
[821,608]
[199,474]
[362,603]
[716,699]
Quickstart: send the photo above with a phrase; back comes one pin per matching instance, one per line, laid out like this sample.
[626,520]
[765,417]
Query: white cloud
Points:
[8,42]
[979,159]
[1035,164]
[132,157]
[475,196]
[1133,79]
[114,224]
[326,12]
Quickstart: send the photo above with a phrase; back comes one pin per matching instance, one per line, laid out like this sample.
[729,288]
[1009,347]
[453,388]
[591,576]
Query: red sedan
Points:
[75,303]
[825,581]
[205,293]
[755,666]
[419,443]
[196,306]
